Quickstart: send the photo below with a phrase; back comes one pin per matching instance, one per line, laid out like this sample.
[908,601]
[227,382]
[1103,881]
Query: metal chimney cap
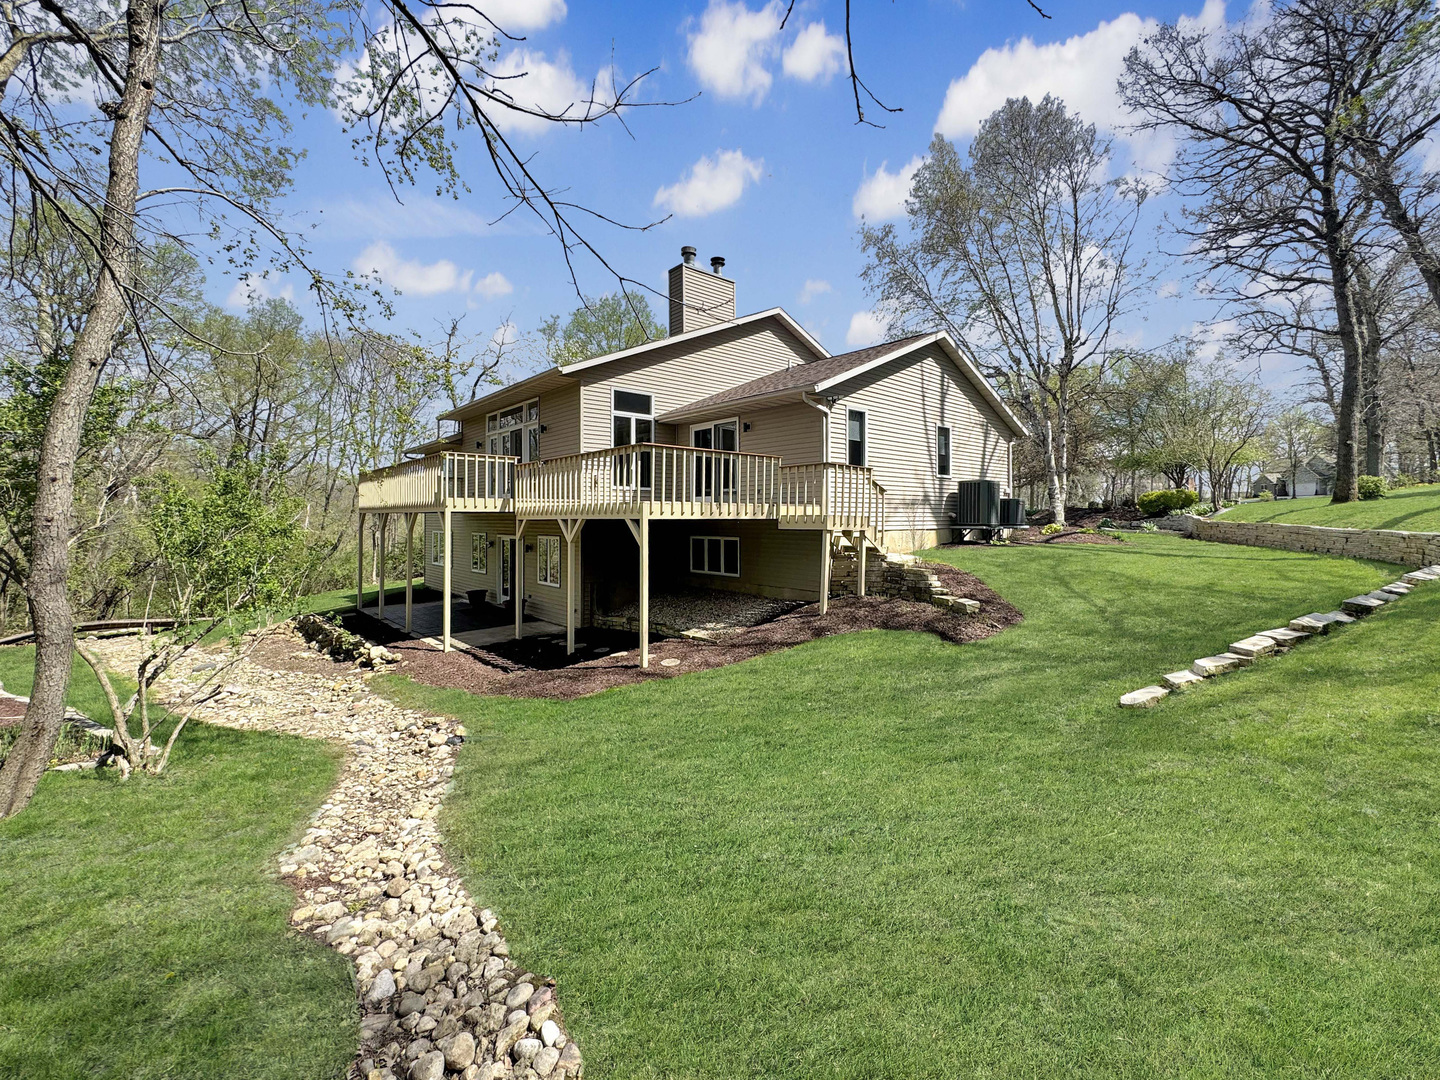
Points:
[717,265]
[687,255]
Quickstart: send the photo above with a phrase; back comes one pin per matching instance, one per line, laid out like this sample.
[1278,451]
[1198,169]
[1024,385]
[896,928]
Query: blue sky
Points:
[765,165]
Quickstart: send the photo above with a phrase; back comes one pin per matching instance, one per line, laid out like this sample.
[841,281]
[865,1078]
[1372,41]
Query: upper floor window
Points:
[515,432]
[632,417]
[855,436]
[942,451]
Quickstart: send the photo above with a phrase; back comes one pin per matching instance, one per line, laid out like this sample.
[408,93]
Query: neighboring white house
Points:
[1316,476]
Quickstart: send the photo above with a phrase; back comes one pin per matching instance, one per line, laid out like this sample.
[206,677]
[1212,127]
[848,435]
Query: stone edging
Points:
[438,993]
[1413,549]
[1246,651]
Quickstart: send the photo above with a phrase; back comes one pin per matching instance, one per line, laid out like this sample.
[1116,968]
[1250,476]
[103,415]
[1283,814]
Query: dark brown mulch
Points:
[1082,517]
[476,670]
[11,711]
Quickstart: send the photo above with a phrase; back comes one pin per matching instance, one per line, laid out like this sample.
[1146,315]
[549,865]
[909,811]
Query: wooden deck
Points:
[648,480]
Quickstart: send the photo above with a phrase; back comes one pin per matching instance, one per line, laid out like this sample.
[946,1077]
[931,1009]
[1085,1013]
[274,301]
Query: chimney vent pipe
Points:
[717,266]
[687,255]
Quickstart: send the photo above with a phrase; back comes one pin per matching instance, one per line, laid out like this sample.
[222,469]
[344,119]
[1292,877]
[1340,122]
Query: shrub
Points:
[1403,480]
[1051,529]
[1265,496]
[1148,526]
[1108,523]
[1155,503]
[1371,487]
[1096,504]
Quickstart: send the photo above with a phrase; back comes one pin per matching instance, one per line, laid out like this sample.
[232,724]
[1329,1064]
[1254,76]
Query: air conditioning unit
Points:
[1012,514]
[977,505]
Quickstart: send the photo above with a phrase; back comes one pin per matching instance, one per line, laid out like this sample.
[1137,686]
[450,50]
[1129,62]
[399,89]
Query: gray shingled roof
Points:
[800,377]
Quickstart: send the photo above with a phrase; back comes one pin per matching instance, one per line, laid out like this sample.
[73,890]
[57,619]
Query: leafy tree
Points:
[599,326]
[1024,256]
[1292,437]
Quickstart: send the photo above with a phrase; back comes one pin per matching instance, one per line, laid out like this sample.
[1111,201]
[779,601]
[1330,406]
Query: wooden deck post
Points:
[360,565]
[824,571]
[644,586]
[570,530]
[384,524]
[409,568]
[517,585]
[863,541]
[445,584]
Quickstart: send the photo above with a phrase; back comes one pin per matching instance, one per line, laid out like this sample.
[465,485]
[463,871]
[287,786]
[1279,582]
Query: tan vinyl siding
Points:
[464,526]
[904,401]
[777,562]
[559,414]
[546,601]
[789,432]
[679,374]
[699,299]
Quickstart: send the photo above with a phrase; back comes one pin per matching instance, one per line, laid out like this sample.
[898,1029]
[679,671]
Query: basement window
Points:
[437,548]
[715,555]
[547,564]
[478,553]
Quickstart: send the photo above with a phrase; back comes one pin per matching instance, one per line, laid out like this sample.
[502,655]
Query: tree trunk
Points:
[1052,476]
[55,495]
[1381,181]
[1338,256]
[1369,330]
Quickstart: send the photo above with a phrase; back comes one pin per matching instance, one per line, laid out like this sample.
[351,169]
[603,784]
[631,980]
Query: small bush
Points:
[1108,523]
[1371,487]
[1051,529]
[1147,526]
[1403,480]
[1156,503]
[1265,496]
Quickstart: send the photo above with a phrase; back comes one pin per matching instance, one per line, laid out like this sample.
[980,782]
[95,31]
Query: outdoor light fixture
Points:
[543,429]
[746,426]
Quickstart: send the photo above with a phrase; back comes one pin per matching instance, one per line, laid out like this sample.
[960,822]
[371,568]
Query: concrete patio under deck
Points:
[466,625]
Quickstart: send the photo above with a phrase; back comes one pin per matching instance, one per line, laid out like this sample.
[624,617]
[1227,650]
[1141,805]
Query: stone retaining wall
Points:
[1413,549]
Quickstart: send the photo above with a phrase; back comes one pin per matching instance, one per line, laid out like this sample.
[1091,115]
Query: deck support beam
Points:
[517,584]
[409,568]
[863,541]
[360,565]
[445,583]
[384,534]
[570,529]
[640,529]
[825,535]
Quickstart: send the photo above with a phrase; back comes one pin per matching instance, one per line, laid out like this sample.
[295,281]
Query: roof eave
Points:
[701,411]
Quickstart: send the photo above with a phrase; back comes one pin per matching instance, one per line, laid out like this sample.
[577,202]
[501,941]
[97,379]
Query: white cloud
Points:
[1082,71]
[813,288]
[249,289]
[866,328]
[410,275]
[712,184]
[730,51]
[881,195]
[534,82]
[1210,337]
[814,54]
[1169,290]
[512,15]
[494,284]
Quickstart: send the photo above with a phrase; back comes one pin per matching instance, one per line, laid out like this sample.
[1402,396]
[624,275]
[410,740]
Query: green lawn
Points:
[144,936]
[880,855]
[1416,509]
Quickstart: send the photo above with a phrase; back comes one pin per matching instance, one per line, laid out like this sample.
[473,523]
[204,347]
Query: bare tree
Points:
[1024,257]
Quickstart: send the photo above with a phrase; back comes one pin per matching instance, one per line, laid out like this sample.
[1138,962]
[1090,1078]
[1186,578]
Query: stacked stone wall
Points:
[1413,549]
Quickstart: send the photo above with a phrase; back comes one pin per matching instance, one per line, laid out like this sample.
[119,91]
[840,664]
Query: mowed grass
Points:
[880,855]
[143,933]
[1415,509]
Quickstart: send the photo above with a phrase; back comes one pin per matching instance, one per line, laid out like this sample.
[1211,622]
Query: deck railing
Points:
[669,481]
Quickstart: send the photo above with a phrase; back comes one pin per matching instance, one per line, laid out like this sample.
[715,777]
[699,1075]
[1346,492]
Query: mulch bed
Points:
[1069,536]
[500,670]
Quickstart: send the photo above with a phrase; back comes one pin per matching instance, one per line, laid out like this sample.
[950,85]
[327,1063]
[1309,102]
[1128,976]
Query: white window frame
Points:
[723,541]
[479,555]
[630,414]
[949,449]
[437,547]
[542,561]
[525,427]
[865,437]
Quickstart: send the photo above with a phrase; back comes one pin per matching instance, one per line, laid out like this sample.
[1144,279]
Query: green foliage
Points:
[1371,487]
[601,325]
[1120,894]
[1156,503]
[1051,529]
[1266,496]
[1403,480]
[226,546]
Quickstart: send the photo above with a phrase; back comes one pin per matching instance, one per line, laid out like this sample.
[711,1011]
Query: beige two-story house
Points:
[736,453]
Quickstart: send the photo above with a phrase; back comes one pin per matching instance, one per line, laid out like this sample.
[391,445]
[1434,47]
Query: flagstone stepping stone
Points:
[1395,588]
[1383,596]
[1417,577]
[1320,622]
[670,661]
[1207,666]
[1255,645]
[1179,680]
[1143,698]
[1362,605]
[1284,636]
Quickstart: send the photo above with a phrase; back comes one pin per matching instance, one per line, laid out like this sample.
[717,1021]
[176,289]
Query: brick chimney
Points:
[696,298]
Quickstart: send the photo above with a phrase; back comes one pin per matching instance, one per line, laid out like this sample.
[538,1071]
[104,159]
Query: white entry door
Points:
[715,476]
